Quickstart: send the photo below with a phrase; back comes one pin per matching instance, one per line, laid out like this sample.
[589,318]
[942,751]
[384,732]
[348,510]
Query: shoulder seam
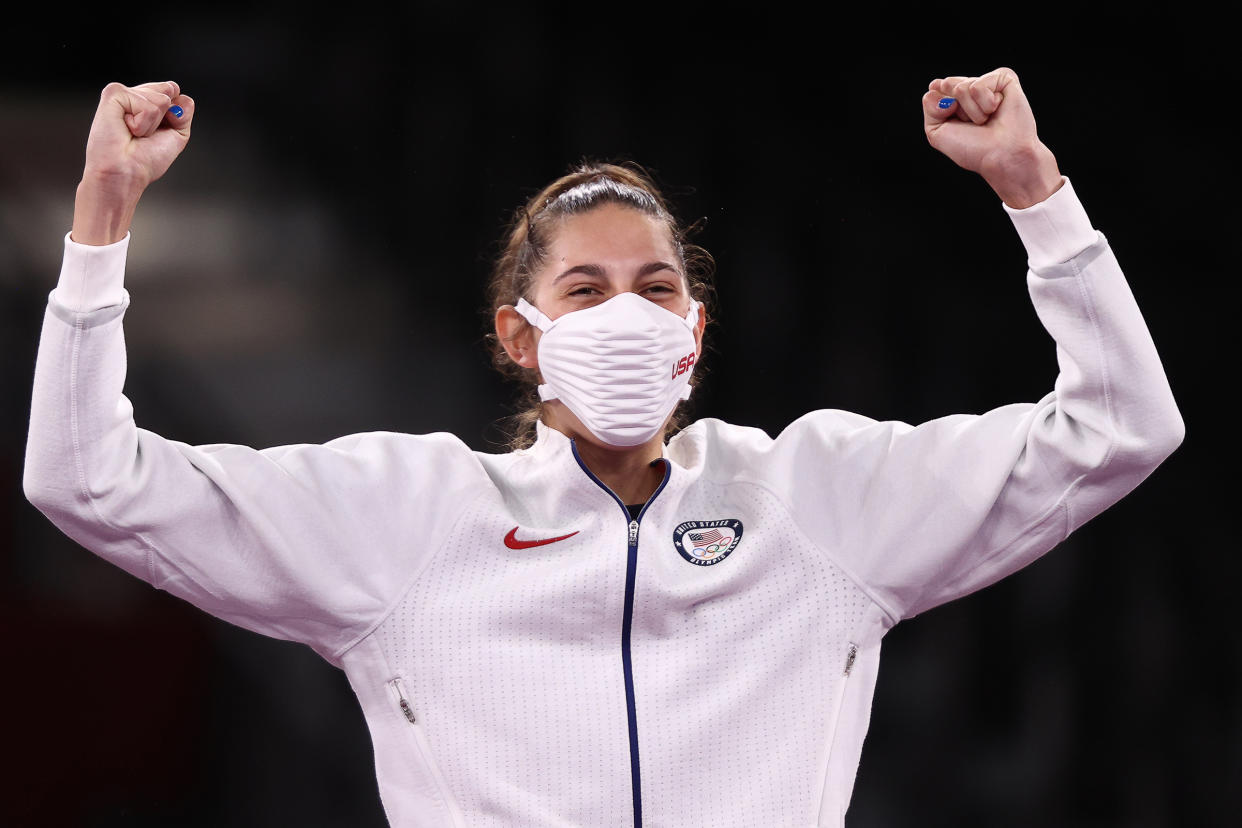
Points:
[483,487]
[832,559]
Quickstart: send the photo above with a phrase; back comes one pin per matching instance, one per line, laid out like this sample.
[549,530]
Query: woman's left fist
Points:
[985,124]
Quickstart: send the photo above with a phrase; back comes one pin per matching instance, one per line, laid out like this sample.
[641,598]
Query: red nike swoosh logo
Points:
[512,542]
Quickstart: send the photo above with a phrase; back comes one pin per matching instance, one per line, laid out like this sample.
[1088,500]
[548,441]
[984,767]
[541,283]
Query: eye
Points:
[659,289]
[582,290]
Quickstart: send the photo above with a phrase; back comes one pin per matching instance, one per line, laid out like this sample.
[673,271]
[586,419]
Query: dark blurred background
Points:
[314,264]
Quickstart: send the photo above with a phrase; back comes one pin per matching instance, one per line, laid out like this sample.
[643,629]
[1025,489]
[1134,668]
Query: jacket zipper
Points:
[631,566]
[627,666]
[851,656]
[404,704]
[396,690]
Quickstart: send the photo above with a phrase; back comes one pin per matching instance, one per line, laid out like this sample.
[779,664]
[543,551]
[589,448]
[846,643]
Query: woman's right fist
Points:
[137,133]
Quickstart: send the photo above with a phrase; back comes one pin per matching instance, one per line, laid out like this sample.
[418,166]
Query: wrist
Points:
[1025,177]
[104,207]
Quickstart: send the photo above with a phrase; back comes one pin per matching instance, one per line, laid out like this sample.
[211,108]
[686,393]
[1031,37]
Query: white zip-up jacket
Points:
[524,652]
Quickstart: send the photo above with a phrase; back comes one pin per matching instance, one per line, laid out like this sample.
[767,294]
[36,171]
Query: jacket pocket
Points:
[414,727]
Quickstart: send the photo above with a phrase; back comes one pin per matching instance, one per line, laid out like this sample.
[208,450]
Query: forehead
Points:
[610,231]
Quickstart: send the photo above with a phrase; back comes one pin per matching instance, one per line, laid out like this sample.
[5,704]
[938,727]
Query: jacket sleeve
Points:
[310,543]
[922,515]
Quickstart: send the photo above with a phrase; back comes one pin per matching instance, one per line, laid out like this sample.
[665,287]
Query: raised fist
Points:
[138,131]
[985,124]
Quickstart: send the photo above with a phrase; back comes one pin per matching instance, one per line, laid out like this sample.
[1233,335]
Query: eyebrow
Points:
[598,270]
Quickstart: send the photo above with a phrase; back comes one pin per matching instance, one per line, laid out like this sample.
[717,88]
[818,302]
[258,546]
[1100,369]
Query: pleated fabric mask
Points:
[621,366]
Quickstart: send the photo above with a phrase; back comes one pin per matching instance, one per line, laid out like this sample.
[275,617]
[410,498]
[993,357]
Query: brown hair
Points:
[525,246]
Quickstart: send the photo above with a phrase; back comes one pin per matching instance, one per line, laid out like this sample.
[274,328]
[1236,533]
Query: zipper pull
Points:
[849,658]
[405,705]
[633,532]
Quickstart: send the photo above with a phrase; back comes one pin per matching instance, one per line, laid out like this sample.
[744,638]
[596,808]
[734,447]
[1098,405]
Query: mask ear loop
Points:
[533,315]
[692,316]
[692,320]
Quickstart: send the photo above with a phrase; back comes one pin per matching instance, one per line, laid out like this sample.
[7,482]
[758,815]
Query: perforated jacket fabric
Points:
[524,653]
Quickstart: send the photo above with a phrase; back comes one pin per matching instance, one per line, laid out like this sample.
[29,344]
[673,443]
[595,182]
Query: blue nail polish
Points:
[176,111]
[945,103]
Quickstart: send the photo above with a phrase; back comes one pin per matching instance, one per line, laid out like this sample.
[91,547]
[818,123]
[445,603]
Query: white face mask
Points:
[621,366]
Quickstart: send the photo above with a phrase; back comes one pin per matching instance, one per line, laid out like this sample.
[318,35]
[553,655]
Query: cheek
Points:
[549,304]
[541,292]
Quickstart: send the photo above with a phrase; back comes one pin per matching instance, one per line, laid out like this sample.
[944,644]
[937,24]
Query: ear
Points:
[518,337]
[698,330]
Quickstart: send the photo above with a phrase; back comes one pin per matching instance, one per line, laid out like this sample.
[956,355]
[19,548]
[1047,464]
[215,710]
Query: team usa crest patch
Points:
[707,542]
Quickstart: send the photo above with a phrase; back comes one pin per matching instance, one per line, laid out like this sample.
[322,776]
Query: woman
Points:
[604,626]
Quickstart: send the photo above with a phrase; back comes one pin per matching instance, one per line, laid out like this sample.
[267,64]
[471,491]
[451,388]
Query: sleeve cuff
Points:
[1055,230]
[91,276]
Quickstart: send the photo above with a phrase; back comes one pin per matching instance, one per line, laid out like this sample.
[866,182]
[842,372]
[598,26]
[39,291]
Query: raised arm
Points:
[301,542]
[923,514]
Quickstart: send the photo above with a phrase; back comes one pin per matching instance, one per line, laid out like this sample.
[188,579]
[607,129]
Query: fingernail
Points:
[945,103]
[178,111]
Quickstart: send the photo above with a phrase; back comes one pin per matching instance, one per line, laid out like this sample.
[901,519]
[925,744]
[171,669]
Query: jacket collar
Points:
[553,454]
